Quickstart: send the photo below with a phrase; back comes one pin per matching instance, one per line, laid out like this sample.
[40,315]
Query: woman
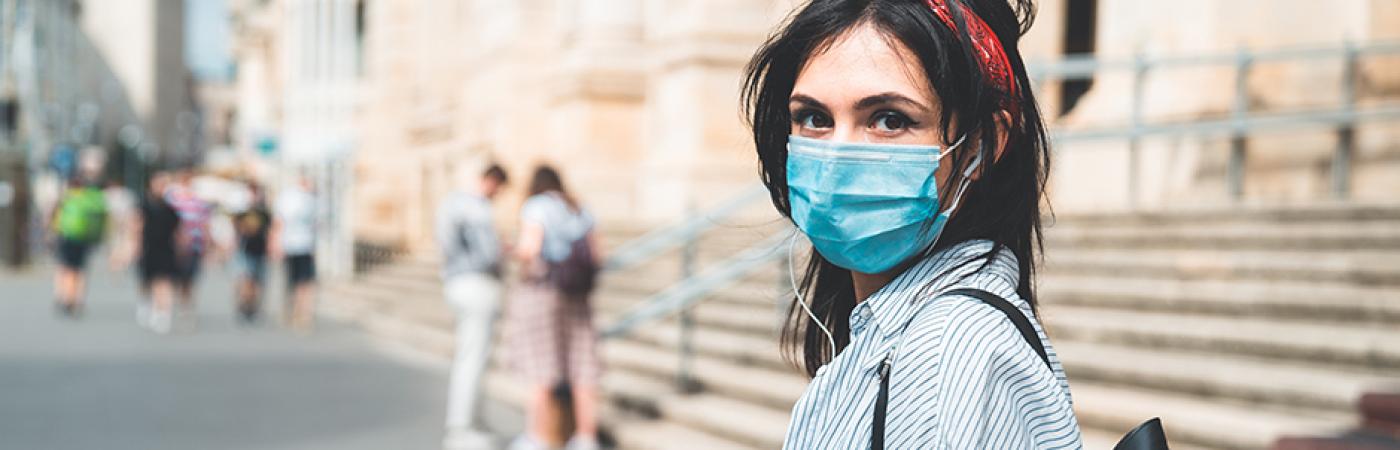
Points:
[902,137]
[551,322]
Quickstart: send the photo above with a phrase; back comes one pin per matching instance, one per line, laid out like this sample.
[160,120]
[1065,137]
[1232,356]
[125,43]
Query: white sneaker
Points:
[467,439]
[160,322]
[526,443]
[143,315]
[581,443]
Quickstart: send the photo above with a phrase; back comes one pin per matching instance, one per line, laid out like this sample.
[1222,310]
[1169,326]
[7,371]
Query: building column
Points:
[698,152]
[596,104]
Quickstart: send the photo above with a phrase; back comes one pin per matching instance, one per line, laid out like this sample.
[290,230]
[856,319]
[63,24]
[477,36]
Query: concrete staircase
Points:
[1235,326]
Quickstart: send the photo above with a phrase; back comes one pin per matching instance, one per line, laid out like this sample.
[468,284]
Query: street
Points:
[102,382]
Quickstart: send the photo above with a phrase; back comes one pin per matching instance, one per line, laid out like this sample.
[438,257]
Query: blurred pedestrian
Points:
[471,271]
[155,231]
[550,318]
[122,215]
[294,241]
[251,226]
[78,223]
[191,242]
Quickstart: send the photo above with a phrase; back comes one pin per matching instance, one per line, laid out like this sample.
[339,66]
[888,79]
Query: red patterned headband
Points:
[985,45]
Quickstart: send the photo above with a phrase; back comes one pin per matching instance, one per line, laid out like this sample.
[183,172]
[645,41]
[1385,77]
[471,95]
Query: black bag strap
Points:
[877,426]
[1014,314]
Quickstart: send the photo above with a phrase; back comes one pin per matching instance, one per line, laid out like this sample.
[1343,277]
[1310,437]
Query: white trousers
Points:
[477,301]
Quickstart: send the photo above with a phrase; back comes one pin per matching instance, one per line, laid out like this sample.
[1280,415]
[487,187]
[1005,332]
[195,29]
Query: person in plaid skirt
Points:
[551,331]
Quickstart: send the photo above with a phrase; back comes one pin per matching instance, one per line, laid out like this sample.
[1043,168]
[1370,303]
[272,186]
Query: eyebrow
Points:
[864,103]
[807,101]
[886,98]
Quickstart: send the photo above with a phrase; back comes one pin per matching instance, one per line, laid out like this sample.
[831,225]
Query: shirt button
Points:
[860,319]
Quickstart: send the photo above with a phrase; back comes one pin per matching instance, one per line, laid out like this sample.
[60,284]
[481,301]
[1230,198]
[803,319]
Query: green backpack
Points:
[82,215]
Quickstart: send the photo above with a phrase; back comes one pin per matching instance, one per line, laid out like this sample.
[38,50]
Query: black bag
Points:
[1148,436]
[577,274]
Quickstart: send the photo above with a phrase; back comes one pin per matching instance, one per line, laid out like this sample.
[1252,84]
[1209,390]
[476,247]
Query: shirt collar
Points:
[895,304]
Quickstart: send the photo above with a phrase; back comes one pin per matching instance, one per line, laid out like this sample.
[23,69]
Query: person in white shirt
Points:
[294,241]
[471,273]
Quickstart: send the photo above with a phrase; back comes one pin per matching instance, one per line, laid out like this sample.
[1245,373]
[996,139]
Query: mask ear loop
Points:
[792,279]
[957,197]
[966,181]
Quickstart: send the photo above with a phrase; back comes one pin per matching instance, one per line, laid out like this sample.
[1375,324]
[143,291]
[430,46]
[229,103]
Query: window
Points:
[1080,22]
[360,26]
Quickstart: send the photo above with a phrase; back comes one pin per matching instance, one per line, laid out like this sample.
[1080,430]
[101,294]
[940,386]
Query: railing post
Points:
[1346,134]
[685,382]
[1234,171]
[1140,66]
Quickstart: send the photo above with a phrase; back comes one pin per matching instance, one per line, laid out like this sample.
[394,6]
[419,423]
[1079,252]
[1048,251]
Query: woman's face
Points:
[866,87]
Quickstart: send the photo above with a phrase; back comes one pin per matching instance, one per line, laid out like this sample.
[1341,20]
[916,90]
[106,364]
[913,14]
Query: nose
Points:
[846,133]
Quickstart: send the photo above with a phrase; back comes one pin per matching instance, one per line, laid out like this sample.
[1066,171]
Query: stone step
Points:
[1329,301]
[748,318]
[768,387]
[1214,375]
[1234,236]
[1363,268]
[426,303]
[1095,439]
[662,272]
[743,349]
[1358,345]
[1350,211]
[740,421]
[751,291]
[1210,423]
[733,420]
[662,435]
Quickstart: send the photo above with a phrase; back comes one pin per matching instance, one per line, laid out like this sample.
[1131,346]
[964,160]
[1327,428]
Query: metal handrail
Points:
[1080,67]
[690,290]
[1254,123]
[1241,121]
[653,243]
[677,299]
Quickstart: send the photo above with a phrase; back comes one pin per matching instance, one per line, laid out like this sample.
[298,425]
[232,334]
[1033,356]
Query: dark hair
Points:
[1003,206]
[546,179]
[496,172]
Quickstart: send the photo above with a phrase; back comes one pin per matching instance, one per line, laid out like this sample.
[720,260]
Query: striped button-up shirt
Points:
[962,376]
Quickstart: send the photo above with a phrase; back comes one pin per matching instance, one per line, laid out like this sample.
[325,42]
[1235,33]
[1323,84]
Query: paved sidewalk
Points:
[101,382]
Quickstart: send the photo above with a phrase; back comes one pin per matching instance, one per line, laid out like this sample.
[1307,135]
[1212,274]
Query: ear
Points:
[1002,122]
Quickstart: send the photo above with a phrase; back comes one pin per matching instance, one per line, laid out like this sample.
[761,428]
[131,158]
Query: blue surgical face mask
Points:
[867,207]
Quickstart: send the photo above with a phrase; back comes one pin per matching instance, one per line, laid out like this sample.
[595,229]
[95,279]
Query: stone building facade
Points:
[637,101]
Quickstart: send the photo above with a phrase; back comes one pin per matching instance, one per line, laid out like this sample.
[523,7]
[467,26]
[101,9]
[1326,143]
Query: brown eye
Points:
[810,119]
[890,121]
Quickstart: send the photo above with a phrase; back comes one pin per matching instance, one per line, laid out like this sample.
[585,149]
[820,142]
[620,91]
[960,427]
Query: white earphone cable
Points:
[792,279]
